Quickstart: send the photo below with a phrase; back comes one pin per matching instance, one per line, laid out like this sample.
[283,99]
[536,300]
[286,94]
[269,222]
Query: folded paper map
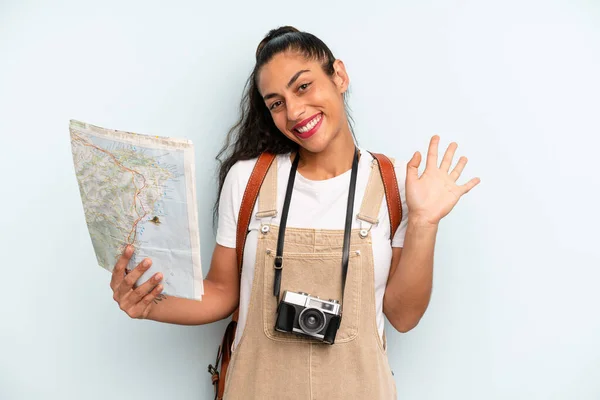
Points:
[140,190]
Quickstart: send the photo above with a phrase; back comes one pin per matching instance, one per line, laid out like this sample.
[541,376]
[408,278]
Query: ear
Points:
[340,76]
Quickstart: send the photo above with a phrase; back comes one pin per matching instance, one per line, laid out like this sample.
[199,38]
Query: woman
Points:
[294,107]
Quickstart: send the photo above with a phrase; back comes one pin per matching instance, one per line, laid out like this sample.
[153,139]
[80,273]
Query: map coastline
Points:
[140,189]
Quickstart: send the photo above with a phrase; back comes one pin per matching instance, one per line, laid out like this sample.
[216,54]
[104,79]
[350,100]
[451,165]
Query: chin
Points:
[317,147]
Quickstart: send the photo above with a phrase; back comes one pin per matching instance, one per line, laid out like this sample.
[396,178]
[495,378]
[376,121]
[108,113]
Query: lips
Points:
[308,127]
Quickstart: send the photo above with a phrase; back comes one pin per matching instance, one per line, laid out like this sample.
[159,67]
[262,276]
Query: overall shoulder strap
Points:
[392,194]
[372,199]
[248,201]
[267,196]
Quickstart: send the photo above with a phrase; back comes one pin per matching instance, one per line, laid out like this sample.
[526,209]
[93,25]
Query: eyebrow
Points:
[290,83]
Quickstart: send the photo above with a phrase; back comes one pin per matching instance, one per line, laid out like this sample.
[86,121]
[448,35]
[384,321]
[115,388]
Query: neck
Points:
[334,160]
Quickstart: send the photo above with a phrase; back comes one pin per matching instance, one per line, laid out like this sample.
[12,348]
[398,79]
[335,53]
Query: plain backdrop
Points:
[514,311]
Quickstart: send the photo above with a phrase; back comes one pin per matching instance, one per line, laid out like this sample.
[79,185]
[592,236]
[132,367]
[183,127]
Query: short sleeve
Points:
[398,240]
[231,200]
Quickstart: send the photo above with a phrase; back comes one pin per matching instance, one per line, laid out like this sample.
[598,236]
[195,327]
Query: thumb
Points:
[412,168]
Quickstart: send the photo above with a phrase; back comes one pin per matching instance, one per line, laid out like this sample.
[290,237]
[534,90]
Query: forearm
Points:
[408,289]
[216,304]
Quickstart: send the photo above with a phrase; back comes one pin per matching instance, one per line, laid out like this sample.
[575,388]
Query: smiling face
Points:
[306,104]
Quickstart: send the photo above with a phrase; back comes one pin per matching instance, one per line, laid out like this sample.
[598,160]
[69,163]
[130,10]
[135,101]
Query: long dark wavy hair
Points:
[255,131]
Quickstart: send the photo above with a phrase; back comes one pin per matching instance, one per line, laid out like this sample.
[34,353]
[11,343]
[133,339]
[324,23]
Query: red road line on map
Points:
[135,196]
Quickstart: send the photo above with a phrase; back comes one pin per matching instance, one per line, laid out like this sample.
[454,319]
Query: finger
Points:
[131,278]
[470,185]
[448,156]
[119,269]
[432,153]
[148,300]
[145,288]
[412,167]
[141,308]
[460,165]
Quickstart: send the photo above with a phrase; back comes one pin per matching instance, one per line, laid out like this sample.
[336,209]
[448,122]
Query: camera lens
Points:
[311,320]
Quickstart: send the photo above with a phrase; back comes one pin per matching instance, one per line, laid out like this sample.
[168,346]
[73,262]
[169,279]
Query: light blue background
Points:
[514,312]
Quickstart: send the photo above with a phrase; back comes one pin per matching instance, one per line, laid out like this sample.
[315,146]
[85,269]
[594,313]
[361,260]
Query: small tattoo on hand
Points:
[158,298]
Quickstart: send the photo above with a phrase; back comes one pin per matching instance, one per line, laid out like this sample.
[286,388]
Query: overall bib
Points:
[267,364]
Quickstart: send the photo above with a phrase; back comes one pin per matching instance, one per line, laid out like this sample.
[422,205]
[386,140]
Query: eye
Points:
[275,105]
[304,86]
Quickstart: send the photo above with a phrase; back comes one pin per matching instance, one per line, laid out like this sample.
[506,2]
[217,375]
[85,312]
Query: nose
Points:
[295,109]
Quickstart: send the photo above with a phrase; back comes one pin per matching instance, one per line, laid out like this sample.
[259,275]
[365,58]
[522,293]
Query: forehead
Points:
[275,75]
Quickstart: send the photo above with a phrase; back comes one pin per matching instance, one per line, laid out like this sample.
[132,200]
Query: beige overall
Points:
[272,365]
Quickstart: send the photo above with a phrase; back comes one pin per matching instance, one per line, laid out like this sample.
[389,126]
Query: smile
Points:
[307,128]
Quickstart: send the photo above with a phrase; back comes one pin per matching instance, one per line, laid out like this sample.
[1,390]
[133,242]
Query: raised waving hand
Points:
[431,196]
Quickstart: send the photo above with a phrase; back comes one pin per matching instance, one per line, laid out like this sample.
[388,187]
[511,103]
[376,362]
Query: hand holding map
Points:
[136,302]
[140,190]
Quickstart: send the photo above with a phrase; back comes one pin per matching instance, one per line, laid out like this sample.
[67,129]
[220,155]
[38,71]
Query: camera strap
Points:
[284,215]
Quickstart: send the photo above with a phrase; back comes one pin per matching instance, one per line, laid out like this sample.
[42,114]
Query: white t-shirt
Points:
[316,205]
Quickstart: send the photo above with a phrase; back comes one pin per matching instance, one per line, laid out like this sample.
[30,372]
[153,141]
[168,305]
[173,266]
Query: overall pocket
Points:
[318,274]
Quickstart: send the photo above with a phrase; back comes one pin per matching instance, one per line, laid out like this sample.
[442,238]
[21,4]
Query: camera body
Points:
[308,316]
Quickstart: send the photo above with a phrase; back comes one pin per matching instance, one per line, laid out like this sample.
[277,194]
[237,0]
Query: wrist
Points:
[417,221]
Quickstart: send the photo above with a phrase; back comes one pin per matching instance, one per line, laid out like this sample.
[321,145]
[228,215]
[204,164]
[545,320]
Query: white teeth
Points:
[310,125]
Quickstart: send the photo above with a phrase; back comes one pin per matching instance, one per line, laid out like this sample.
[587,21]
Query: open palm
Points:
[432,196]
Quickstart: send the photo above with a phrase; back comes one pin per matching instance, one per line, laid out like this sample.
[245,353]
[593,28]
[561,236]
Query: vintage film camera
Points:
[305,315]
